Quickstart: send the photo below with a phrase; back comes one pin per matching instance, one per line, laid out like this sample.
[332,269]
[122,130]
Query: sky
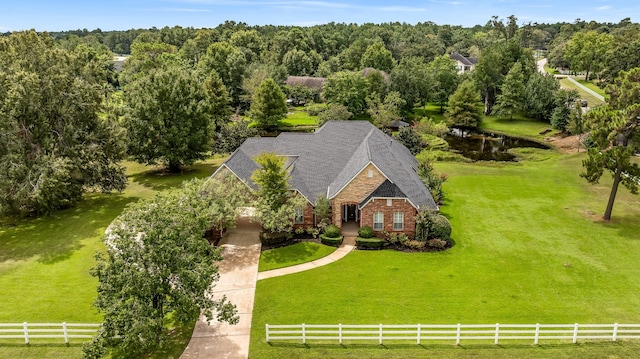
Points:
[59,15]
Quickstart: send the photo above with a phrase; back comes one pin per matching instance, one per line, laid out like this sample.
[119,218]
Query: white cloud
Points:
[603,8]
[177,9]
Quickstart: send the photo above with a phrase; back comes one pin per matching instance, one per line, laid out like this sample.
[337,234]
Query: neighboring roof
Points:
[315,83]
[397,124]
[326,161]
[469,61]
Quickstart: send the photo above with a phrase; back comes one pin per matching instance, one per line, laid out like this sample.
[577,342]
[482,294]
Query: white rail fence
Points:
[66,331]
[419,333]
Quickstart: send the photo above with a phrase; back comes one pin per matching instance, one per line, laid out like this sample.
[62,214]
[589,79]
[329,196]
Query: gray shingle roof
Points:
[385,190]
[464,60]
[327,160]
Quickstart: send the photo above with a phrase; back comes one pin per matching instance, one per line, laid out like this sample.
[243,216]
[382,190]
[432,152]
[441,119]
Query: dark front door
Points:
[351,212]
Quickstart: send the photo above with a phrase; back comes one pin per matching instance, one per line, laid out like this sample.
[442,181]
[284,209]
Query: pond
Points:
[486,146]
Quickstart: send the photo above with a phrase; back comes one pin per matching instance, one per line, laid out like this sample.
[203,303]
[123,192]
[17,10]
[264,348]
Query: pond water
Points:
[486,146]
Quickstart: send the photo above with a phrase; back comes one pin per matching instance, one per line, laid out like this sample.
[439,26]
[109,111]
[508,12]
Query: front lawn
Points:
[291,255]
[45,262]
[529,247]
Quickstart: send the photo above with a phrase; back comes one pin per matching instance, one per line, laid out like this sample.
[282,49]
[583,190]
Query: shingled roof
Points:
[469,61]
[327,160]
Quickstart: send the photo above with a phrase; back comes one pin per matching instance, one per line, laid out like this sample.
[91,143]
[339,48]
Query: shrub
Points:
[413,244]
[273,238]
[370,242]
[440,227]
[331,241]
[436,243]
[314,109]
[332,231]
[396,238]
[313,231]
[299,230]
[365,232]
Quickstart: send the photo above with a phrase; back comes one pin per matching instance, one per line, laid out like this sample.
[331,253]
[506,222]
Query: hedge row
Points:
[331,241]
[370,242]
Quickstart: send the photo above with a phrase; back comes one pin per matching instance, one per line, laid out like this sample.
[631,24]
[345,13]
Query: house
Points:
[369,177]
[395,125]
[463,64]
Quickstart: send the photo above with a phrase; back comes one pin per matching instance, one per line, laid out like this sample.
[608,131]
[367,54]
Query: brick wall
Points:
[356,191]
[397,205]
[308,217]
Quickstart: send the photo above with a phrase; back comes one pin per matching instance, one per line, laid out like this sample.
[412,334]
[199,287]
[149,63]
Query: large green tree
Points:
[230,64]
[268,104]
[53,145]
[463,109]
[511,98]
[615,130]
[170,117]
[585,51]
[445,79]
[378,57]
[349,89]
[539,96]
[157,271]
[412,79]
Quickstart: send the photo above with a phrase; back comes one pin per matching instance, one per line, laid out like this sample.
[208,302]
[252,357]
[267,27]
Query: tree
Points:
[297,63]
[383,112]
[488,76]
[349,89]
[539,96]
[463,107]
[231,135]
[378,57]
[53,145]
[565,106]
[512,97]
[411,139]
[334,112]
[585,51]
[411,78]
[158,260]
[275,205]
[445,79]
[614,127]
[169,118]
[268,105]
[218,98]
[431,180]
[230,64]
[299,94]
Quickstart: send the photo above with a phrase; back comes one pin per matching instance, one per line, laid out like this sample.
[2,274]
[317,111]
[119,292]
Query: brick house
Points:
[369,177]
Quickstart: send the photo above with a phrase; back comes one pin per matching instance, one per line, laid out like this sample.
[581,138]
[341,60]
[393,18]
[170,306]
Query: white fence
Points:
[453,332]
[66,331]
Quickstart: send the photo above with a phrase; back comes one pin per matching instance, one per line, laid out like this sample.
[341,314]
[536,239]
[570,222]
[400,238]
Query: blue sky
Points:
[56,15]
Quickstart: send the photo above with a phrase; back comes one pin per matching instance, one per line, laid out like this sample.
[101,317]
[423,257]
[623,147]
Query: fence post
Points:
[575,333]
[340,333]
[267,330]
[380,340]
[304,335]
[418,334]
[26,332]
[497,333]
[535,340]
[458,335]
[615,332]
[65,333]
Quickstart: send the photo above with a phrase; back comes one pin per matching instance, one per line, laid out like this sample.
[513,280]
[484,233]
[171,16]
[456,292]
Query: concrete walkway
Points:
[238,275]
[347,246]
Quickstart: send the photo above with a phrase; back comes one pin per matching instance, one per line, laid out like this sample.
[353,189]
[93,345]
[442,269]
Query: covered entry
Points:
[350,213]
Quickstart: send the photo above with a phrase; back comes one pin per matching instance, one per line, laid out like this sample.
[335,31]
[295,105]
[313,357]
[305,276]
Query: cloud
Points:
[288,4]
[603,8]
[177,9]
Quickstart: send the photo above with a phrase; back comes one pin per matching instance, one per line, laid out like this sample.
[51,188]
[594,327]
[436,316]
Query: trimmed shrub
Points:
[440,227]
[270,239]
[365,232]
[436,243]
[331,241]
[332,231]
[370,243]
[413,244]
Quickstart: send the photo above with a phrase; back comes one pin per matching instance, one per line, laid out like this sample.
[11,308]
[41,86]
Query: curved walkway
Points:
[347,246]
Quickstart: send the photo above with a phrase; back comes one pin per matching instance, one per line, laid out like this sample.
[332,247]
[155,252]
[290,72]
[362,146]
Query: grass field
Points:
[291,255]
[592,100]
[299,117]
[45,262]
[529,247]
[592,86]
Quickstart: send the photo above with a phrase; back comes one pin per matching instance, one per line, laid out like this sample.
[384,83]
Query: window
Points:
[378,221]
[370,173]
[398,221]
[389,202]
[298,218]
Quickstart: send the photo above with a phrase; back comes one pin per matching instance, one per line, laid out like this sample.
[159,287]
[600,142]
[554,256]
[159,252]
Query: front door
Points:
[351,212]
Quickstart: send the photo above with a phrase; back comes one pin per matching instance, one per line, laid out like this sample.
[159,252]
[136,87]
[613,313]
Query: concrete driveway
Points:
[238,276]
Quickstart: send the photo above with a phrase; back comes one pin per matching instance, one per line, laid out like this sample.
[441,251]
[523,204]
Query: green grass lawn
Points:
[299,117]
[291,255]
[45,262]
[529,247]
[520,126]
[592,86]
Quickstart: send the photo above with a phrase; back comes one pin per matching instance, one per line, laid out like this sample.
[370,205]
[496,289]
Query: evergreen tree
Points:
[511,99]
[268,105]
[463,109]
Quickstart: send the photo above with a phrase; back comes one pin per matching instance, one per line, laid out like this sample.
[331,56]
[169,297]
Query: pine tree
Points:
[463,109]
[268,105]
[511,99]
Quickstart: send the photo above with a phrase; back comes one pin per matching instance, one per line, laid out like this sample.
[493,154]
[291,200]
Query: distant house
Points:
[314,83]
[464,64]
[395,125]
[369,177]
[385,75]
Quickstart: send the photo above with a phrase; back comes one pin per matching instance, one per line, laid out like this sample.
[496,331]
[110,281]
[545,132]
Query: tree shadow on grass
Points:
[173,346]
[289,254]
[627,224]
[159,179]
[56,237]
